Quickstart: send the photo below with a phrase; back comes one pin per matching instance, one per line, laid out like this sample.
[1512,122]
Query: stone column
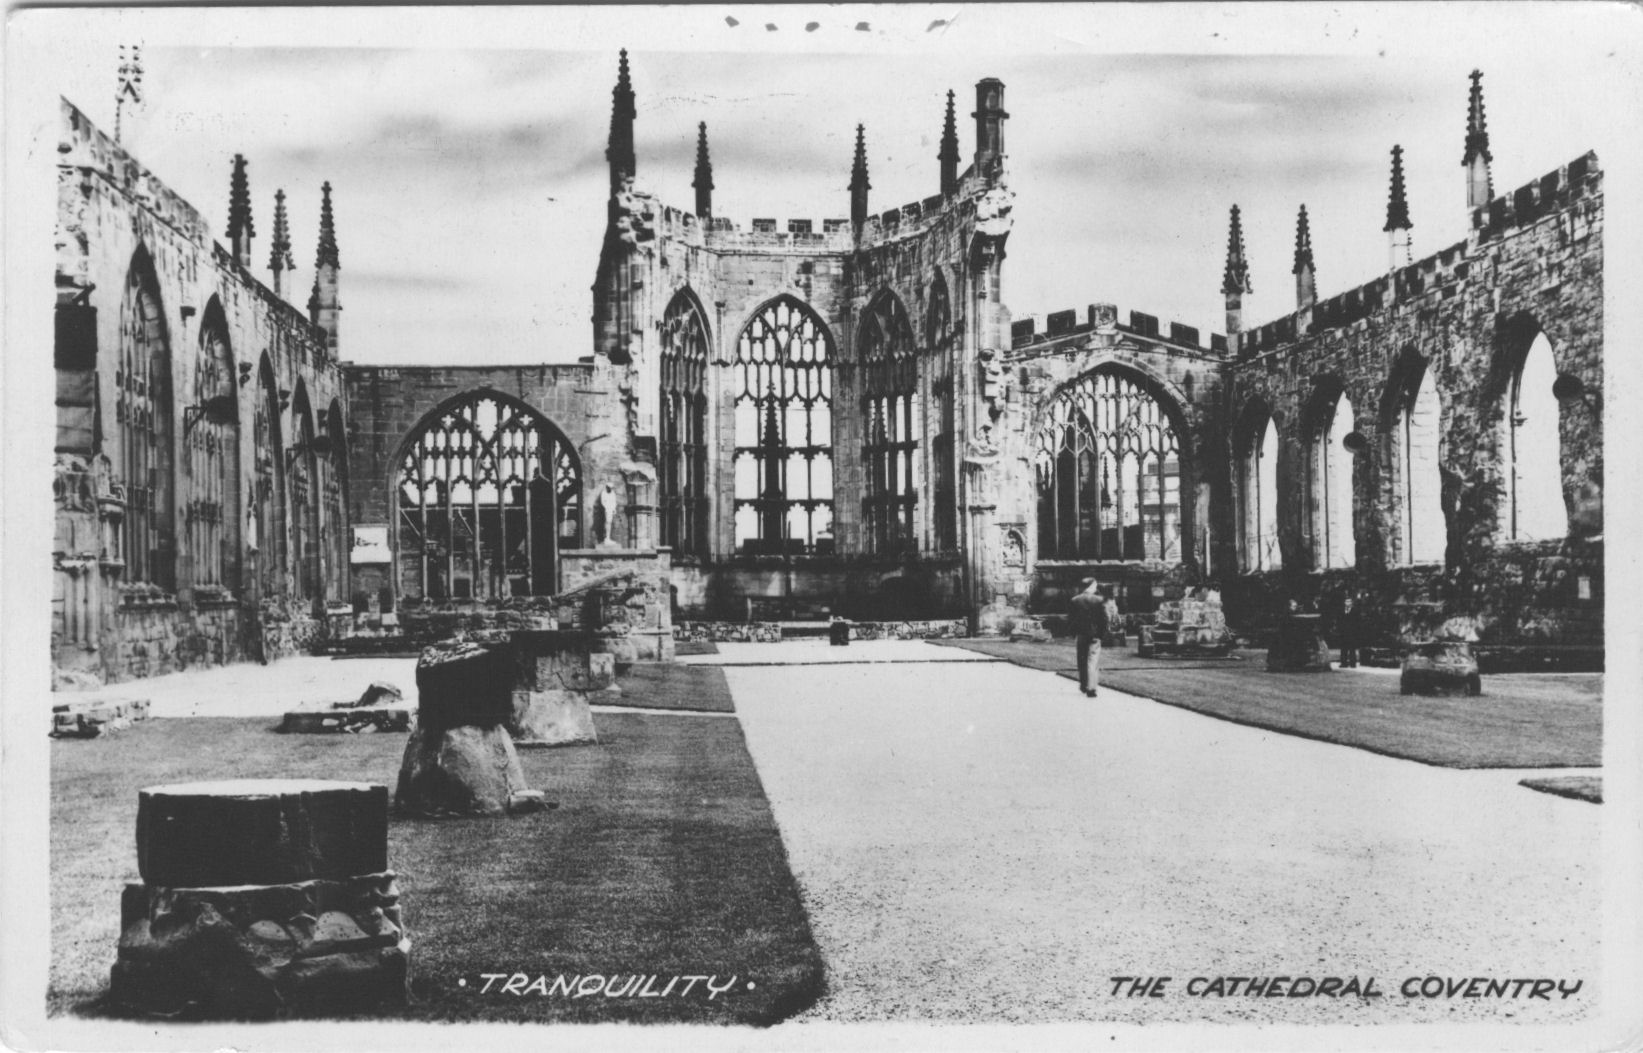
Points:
[460,760]
[261,898]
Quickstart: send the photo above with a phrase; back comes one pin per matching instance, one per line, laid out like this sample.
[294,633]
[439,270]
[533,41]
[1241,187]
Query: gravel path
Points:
[980,843]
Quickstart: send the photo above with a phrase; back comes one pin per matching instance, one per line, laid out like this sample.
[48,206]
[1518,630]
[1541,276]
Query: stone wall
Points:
[817,587]
[1532,264]
[117,219]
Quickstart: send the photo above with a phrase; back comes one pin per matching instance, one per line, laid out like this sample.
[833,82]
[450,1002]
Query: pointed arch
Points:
[265,517]
[305,484]
[487,493]
[891,424]
[783,462]
[1110,451]
[144,411]
[942,416]
[1255,448]
[334,510]
[212,440]
[1332,498]
[682,475]
[1413,422]
[1533,506]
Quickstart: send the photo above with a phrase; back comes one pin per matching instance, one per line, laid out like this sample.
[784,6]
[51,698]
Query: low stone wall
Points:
[771,632]
[728,632]
[945,629]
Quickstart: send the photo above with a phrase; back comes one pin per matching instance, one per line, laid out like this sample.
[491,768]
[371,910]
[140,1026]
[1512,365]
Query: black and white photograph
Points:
[822,527]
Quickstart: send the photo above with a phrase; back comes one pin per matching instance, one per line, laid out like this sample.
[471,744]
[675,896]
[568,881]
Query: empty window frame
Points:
[1258,489]
[783,378]
[143,411]
[682,479]
[211,511]
[891,426]
[1416,471]
[939,342]
[1333,540]
[1532,506]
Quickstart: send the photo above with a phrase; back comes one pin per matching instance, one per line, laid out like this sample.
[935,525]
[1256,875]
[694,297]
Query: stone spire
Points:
[130,87]
[280,259]
[858,180]
[704,174]
[240,228]
[1397,215]
[1479,186]
[1235,280]
[1306,284]
[323,305]
[620,151]
[949,149]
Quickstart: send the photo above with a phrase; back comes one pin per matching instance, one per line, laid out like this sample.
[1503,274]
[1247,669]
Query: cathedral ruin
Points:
[811,418]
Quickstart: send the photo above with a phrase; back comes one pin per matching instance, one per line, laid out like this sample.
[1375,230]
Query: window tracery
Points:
[683,468]
[891,426]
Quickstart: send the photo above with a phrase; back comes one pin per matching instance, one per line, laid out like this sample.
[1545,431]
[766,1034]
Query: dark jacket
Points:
[1088,616]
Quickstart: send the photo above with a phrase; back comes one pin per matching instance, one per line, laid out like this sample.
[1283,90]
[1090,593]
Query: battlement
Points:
[1103,319]
[281,312]
[85,147]
[1443,273]
[769,235]
[1552,192]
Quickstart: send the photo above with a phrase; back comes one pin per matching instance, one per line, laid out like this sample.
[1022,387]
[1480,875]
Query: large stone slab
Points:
[260,831]
[556,674]
[1440,667]
[347,719]
[464,685]
[254,952]
[90,720]
[462,771]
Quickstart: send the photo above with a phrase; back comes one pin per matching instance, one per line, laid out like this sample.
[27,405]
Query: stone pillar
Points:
[556,672]
[261,898]
[460,760]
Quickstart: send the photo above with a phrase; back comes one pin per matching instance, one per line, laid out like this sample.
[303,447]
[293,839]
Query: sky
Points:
[469,177]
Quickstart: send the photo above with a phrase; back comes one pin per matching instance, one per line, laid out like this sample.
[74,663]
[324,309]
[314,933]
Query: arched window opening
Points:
[939,341]
[213,442]
[890,415]
[143,412]
[267,515]
[1419,481]
[1258,488]
[1109,474]
[489,494]
[1533,508]
[1333,542]
[305,484]
[784,432]
[334,527]
[683,474]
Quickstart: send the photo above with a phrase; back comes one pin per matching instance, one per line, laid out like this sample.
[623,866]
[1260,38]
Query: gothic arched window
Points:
[334,506]
[489,493]
[784,431]
[1258,490]
[891,426]
[1109,474]
[213,441]
[267,517]
[305,485]
[939,342]
[1532,507]
[1333,540]
[1416,475]
[682,479]
[143,412]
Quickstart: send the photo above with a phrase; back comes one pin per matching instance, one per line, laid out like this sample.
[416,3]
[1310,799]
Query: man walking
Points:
[1088,620]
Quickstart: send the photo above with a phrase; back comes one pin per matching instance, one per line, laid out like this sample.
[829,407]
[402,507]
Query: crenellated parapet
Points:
[1063,330]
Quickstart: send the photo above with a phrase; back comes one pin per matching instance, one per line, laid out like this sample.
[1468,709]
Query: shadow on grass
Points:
[662,859]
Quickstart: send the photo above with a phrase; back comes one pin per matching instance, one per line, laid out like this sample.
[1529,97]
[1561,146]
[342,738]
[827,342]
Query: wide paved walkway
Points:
[978,842]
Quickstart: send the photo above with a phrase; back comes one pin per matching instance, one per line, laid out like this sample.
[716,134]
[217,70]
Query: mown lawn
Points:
[661,858]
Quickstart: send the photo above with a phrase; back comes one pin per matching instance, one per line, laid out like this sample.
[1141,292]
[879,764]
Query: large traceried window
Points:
[1331,507]
[212,509]
[489,494]
[1419,482]
[683,475]
[1109,474]
[891,426]
[1258,489]
[267,517]
[143,412]
[1532,507]
[939,343]
[784,432]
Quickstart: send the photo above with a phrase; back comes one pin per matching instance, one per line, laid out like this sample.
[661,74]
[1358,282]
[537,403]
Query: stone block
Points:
[1298,646]
[89,720]
[259,951]
[459,771]
[552,717]
[1029,629]
[349,720]
[260,831]
[378,694]
[1441,667]
[464,685]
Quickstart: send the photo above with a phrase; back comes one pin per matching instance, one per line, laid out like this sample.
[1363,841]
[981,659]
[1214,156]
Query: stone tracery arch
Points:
[488,492]
[1255,448]
[891,424]
[682,474]
[143,410]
